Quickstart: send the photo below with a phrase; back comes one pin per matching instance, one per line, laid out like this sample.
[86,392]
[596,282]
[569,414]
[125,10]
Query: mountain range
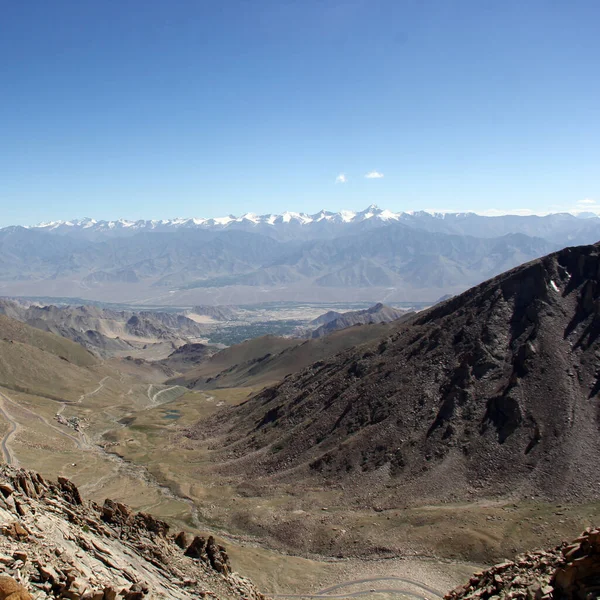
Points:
[372,255]
[298,225]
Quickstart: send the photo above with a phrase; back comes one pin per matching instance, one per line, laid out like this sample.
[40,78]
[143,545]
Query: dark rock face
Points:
[492,392]
[69,491]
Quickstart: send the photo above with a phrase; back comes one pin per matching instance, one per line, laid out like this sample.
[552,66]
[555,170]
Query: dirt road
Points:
[327,592]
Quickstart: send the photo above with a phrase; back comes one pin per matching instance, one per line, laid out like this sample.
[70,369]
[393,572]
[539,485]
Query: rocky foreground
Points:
[53,544]
[569,572]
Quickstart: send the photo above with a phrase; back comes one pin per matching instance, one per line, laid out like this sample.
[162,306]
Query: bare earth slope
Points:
[493,392]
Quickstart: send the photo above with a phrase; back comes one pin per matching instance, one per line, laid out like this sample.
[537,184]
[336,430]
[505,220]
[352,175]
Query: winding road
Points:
[326,593]
[8,457]
[153,397]
[100,386]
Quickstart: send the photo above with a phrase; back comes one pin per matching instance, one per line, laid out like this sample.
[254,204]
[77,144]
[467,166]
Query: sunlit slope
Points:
[269,359]
[11,330]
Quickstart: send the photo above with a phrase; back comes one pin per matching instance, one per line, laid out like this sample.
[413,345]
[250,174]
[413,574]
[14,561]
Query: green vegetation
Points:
[238,333]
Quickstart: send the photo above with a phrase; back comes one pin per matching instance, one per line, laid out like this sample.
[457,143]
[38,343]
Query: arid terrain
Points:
[396,457]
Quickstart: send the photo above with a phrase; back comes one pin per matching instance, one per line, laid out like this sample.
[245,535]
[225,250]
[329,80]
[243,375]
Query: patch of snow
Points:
[388,215]
[554,286]
[248,217]
[347,216]
[223,220]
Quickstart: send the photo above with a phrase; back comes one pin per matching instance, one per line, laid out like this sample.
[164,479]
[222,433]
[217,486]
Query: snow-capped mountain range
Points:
[325,224]
[298,218]
[374,254]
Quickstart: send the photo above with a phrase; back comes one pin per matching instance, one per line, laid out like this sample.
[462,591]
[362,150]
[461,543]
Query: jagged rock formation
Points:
[54,544]
[567,572]
[493,392]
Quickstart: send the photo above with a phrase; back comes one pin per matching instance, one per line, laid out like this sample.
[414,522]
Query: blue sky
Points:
[156,109]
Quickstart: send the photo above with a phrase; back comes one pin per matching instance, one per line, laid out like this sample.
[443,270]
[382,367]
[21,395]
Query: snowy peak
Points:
[249,218]
[287,223]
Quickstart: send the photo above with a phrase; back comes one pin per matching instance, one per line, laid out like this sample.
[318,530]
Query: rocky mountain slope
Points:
[54,544]
[103,331]
[569,572]
[362,256]
[493,392]
[379,313]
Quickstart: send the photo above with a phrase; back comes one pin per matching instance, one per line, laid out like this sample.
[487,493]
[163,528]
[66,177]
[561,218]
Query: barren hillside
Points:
[493,392]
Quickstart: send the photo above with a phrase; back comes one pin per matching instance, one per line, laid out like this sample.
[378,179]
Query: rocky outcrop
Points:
[54,544]
[567,572]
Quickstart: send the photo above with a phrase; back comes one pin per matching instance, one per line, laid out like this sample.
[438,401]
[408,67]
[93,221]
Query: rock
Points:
[115,513]
[150,523]
[48,573]
[12,590]
[24,482]
[65,550]
[568,572]
[75,590]
[182,539]
[22,508]
[197,549]
[217,556]
[15,530]
[136,592]
[69,491]
[110,593]
[6,489]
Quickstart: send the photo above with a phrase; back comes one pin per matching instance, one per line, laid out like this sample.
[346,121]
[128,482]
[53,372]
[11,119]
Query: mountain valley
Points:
[425,444]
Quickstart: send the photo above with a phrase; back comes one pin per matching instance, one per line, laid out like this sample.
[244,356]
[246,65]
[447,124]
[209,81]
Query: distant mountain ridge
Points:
[300,224]
[367,256]
[106,332]
[379,313]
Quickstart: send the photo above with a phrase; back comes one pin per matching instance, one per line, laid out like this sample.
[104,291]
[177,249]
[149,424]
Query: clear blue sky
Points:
[156,108]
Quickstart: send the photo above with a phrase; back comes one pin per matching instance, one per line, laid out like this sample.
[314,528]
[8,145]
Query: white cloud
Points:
[586,202]
[341,178]
[374,175]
